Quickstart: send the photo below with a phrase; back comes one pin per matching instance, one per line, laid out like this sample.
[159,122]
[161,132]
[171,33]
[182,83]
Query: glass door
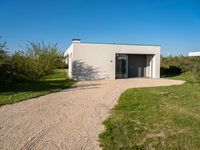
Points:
[121,66]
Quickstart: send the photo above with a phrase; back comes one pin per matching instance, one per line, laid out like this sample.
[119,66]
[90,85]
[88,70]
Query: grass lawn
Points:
[55,81]
[155,118]
[183,76]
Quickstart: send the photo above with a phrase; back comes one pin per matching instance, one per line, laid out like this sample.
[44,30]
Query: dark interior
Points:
[136,65]
[130,65]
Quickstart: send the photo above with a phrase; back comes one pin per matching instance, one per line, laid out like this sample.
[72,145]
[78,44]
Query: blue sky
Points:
[174,24]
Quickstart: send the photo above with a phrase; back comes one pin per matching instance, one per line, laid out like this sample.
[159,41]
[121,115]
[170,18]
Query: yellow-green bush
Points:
[179,64]
[5,65]
[36,60]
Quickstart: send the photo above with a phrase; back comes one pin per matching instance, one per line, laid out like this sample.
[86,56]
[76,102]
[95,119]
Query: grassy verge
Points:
[55,81]
[155,118]
[183,76]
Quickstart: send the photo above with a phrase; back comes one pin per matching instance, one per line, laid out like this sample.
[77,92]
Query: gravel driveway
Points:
[70,119]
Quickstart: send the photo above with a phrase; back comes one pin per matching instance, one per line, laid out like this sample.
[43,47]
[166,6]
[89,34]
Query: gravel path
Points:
[70,119]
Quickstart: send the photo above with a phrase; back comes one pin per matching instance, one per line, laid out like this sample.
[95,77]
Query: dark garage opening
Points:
[130,65]
[136,65]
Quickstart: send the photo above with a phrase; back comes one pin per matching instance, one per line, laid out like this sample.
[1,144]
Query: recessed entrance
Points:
[133,65]
[137,65]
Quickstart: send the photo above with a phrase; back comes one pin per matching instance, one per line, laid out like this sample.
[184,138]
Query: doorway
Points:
[137,65]
[121,66]
[133,65]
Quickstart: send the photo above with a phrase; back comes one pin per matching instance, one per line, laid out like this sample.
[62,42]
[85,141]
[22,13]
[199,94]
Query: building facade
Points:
[94,61]
[194,54]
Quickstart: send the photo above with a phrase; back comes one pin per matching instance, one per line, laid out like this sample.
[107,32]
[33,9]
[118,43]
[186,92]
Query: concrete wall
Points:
[149,64]
[69,59]
[97,61]
[194,54]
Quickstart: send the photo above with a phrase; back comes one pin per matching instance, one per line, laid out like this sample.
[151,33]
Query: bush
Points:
[195,67]
[37,60]
[5,65]
[179,64]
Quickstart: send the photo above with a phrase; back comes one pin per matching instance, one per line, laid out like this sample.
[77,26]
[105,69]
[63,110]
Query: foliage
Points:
[5,64]
[195,67]
[181,62]
[170,71]
[37,60]
[174,65]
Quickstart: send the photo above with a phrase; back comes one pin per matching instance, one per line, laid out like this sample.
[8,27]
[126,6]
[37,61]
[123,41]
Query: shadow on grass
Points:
[172,71]
[165,75]
[21,90]
[36,86]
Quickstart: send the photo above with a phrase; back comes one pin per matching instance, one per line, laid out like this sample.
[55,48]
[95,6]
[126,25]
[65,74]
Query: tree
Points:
[5,65]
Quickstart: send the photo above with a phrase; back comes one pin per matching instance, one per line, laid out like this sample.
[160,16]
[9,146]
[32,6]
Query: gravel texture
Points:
[70,119]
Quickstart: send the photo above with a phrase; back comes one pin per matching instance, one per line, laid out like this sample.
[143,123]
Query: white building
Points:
[93,61]
[194,54]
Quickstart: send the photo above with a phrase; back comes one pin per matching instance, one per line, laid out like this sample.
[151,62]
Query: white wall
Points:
[98,60]
[69,59]
[149,66]
[194,54]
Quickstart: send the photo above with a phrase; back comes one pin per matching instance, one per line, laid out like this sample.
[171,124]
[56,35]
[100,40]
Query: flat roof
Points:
[118,43]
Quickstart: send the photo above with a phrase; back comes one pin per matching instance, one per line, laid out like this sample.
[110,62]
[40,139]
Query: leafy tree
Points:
[5,66]
[178,64]
[37,60]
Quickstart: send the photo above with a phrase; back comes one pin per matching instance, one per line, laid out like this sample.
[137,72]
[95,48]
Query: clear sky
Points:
[173,24]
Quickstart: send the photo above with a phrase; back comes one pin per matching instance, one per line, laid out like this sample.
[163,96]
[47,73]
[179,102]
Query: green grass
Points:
[183,76]
[53,82]
[155,118]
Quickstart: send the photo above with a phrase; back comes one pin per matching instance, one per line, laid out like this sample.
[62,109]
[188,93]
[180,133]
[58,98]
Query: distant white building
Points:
[92,61]
[194,53]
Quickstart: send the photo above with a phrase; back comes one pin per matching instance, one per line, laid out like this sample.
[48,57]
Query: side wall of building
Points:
[69,59]
[194,54]
[97,61]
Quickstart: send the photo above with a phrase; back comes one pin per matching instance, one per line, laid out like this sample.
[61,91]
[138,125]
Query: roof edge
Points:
[119,44]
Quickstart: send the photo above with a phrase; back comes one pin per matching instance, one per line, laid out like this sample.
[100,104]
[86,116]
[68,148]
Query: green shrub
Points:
[36,61]
[181,62]
[178,64]
[170,71]
[195,67]
[5,65]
